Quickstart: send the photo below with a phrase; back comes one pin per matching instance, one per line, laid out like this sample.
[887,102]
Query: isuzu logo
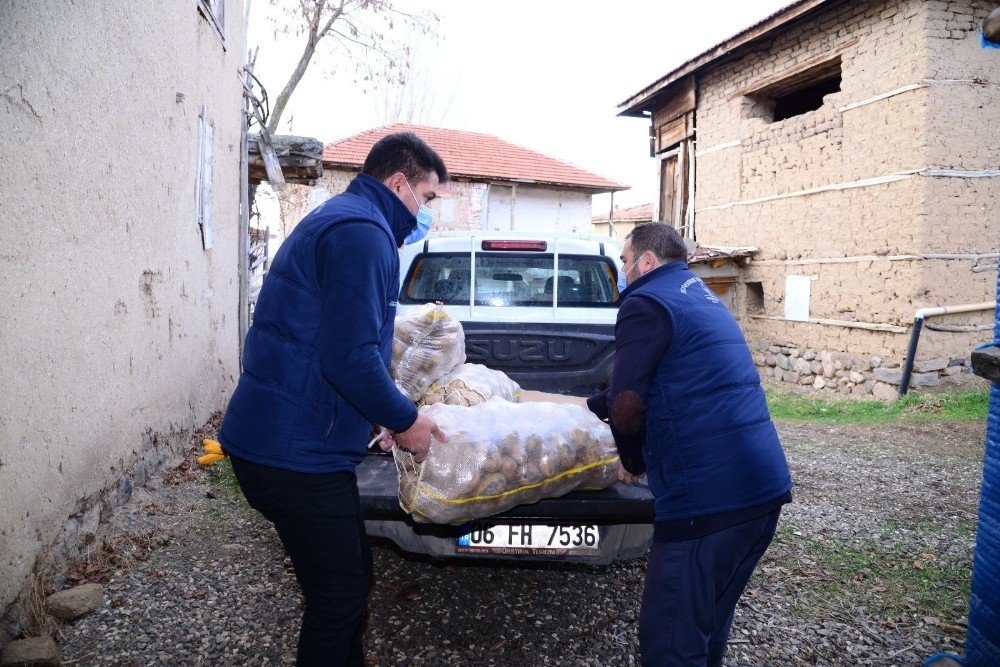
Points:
[510,348]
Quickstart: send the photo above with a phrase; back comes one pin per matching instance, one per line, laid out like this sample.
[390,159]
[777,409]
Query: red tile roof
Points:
[474,156]
[640,213]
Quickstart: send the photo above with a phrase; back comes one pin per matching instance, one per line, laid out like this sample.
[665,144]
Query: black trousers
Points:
[691,592]
[318,518]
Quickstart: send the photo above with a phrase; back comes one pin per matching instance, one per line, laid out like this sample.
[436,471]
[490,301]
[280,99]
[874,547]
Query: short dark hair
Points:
[407,153]
[659,238]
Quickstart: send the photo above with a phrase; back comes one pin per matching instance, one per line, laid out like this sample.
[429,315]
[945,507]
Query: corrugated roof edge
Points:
[636,105]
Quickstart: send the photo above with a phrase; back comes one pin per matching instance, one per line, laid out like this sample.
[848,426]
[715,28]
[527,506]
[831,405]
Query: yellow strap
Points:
[461,501]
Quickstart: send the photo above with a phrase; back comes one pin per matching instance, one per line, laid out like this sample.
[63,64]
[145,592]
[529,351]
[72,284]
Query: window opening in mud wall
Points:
[755,298]
[795,94]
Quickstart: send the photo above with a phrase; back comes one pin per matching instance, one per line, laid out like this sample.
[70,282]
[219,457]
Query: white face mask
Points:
[622,279]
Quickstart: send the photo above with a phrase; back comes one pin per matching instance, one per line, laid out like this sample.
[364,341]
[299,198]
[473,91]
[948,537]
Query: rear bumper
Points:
[624,515]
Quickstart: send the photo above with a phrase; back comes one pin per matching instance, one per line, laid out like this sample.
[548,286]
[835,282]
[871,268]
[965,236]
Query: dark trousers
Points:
[691,592]
[318,518]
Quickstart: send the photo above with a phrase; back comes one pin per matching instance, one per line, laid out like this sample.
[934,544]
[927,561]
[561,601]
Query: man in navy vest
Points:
[315,379]
[687,410]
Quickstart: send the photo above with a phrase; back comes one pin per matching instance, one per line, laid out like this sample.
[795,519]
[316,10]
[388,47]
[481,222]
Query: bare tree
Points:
[350,28]
[418,99]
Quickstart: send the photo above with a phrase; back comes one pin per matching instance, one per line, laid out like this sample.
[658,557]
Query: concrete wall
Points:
[464,205]
[120,333]
[850,238]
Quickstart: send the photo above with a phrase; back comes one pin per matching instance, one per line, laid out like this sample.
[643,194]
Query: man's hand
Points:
[387,440]
[627,477]
[417,438]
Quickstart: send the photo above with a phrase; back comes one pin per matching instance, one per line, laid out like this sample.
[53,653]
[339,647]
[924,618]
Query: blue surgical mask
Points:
[425,218]
[622,280]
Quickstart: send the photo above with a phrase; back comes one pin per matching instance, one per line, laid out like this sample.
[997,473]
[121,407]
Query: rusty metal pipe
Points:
[918,323]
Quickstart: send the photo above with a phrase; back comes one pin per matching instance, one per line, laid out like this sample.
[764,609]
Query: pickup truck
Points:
[541,308]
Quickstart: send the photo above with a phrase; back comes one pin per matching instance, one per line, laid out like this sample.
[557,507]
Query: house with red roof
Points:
[495,185]
[619,223]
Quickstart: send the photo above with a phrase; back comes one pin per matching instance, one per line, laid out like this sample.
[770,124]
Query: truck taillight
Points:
[532,246]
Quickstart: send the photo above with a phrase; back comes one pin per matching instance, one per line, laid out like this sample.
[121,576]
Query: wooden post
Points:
[244,235]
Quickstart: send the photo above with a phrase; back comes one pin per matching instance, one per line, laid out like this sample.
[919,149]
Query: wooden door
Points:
[668,189]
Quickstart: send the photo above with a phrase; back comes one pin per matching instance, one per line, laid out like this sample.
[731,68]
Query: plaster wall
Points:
[119,329]
[468,205]
[548,209]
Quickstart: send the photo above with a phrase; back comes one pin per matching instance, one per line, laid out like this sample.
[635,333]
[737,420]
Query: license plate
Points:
[511,538]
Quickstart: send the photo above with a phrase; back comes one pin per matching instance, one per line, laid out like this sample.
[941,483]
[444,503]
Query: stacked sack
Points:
[471,384]
[500,455]
[427,344]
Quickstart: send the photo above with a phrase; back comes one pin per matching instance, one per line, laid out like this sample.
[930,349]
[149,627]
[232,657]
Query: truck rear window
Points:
[512,279]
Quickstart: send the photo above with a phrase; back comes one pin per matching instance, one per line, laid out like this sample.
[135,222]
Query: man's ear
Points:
[395,181]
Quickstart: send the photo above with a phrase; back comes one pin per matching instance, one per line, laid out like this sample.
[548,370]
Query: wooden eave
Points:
[642,103]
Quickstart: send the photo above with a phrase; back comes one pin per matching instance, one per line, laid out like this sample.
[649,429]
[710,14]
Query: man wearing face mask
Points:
[316,379]
[687,410]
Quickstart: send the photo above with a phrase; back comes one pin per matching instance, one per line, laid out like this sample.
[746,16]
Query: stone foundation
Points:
[856,375]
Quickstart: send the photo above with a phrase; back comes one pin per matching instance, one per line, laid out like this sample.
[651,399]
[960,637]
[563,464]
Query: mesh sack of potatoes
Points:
[501,454]
[471,384]
[427,343]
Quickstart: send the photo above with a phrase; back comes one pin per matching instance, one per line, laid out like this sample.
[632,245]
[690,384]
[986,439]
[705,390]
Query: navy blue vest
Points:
[284,413]
[710,444]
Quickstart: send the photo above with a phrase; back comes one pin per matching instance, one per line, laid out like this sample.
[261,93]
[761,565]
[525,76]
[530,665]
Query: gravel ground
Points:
[870,567]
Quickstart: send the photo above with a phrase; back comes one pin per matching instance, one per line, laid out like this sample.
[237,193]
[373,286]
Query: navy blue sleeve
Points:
[598,404]
[355,266]
[643,334]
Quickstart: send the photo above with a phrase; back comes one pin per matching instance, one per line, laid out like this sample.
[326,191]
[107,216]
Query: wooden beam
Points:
[676,102]
[301,158]
[672,133]
[817,67]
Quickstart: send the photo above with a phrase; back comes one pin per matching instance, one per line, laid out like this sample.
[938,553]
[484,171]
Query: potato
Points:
[491,485]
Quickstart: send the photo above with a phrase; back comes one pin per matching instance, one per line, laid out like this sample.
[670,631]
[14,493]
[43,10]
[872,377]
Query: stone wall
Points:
[857,375]
[868,246]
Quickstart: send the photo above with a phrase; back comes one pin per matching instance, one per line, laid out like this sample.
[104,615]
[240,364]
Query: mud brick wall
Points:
[853,240]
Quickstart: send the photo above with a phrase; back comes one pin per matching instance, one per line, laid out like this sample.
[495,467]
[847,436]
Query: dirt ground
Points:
[871,565]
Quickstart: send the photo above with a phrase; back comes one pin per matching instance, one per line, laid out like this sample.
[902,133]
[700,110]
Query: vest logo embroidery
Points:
[709,294]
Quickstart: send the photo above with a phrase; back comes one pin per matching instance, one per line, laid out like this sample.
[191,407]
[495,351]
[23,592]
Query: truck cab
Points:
[539,307]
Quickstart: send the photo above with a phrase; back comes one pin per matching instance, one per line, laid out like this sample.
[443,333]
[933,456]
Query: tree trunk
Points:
[282,101]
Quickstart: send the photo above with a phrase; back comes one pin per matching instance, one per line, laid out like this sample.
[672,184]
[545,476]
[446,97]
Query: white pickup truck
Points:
[542,309]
